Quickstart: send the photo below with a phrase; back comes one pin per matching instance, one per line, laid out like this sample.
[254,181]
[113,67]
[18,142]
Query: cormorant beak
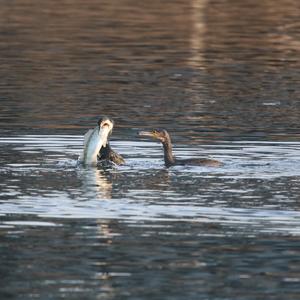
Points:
[146,133]
[154,134]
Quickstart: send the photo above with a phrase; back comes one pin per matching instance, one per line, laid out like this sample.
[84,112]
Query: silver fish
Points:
[94,140]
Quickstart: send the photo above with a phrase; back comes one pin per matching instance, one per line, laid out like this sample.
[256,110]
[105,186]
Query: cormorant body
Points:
[170,160]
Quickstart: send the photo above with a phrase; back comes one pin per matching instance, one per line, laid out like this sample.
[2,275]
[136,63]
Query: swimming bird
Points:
[96,144]
[170,160]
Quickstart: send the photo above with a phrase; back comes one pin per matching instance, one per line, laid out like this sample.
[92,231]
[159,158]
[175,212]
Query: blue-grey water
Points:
[222,77]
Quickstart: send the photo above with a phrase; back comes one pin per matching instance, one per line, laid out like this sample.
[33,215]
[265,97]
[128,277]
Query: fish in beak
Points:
[94,140]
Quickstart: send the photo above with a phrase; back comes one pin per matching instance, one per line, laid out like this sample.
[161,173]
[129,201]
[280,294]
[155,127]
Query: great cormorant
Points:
[170,160]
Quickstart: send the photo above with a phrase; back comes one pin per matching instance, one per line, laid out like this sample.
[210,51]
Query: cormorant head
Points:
[106,123]
[158,134]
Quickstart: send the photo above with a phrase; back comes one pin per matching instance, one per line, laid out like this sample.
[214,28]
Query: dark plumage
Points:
[106,153]
[170,160]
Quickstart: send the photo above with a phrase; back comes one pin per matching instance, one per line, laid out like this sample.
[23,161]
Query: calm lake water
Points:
[222,77]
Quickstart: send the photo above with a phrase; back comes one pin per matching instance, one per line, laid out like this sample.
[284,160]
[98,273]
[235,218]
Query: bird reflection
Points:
[96,184]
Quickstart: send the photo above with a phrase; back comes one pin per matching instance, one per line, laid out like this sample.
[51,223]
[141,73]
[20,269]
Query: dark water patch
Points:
[109,259]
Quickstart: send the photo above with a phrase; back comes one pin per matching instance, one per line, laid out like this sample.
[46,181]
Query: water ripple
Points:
[49,184]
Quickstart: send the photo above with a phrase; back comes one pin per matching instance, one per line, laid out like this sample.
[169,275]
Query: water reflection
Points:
[114,262]
[101,230]
[254,175]
[222,77]
[212,71]
[96,183]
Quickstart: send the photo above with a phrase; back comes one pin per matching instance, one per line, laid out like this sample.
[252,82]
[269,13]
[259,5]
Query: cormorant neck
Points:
[168,154]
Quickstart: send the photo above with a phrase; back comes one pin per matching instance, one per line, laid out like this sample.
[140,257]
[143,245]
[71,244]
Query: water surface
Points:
[222,77]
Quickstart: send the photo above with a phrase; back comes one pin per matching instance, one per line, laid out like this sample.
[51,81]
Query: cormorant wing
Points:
[106,153]
[116,158]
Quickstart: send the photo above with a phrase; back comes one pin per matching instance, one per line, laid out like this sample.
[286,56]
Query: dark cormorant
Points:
[170,160]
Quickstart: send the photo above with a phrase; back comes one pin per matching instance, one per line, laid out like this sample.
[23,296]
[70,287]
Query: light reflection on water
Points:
[144,190]
[222,77]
